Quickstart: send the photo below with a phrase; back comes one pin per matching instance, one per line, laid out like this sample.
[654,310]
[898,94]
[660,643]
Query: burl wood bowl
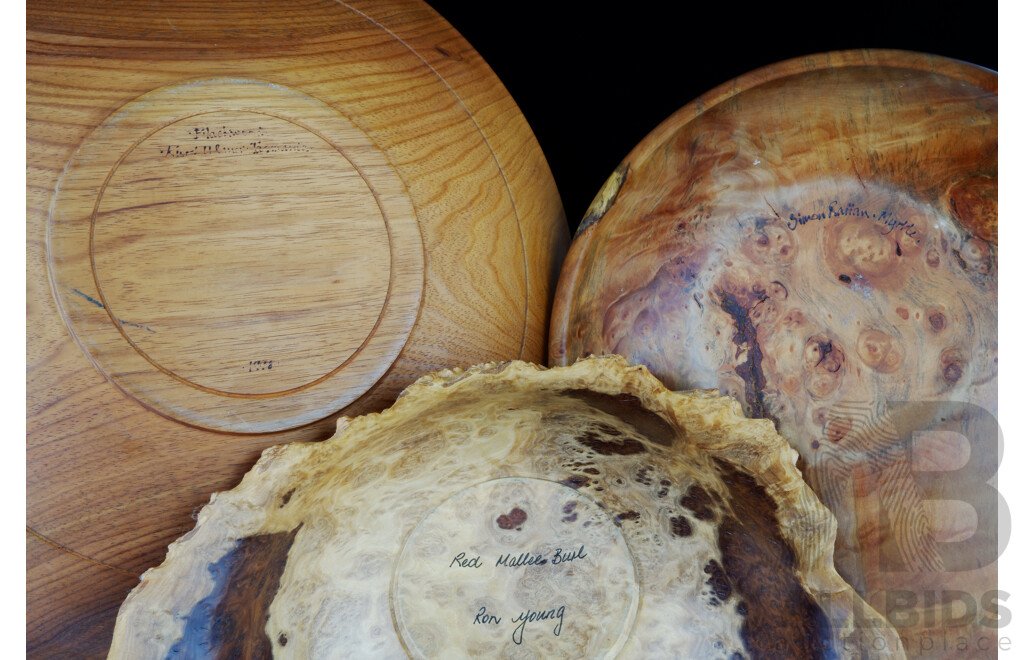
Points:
[818,239]
[510,511]
[245,219]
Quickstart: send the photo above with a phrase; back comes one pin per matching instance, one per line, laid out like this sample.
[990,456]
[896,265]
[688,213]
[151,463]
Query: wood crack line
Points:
[71,552]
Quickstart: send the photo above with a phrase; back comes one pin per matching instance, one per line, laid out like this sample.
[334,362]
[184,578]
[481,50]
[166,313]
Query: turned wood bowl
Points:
[243,221]
[818,239]
[509,511]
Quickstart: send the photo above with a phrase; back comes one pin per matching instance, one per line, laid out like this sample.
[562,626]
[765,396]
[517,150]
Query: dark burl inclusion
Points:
[781,620]
[643,476]
[229,623]
[606,447]
[631,410]
[746,342]
[576,481]
[514,519]
[719,583]
[681,526]
[699,502]
[628,515]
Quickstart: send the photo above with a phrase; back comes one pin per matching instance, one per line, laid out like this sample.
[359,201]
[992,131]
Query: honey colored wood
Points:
[630,521]
[241,223]
[235,268]
[818,239]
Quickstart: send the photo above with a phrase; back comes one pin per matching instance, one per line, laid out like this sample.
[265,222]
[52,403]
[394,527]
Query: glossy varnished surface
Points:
[242,220]
[510,510]
[818,239]
[231,619]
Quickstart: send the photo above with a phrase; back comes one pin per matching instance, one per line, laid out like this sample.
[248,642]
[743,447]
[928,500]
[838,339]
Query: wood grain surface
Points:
[241,224]
[818,239]
[617,518]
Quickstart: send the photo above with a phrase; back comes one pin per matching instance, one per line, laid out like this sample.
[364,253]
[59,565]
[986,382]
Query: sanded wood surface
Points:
[514,511]
[242,222]
[818,239]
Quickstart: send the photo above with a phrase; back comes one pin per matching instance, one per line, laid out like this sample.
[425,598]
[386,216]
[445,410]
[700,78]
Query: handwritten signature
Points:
[256,148]
[837,210]
[526,616]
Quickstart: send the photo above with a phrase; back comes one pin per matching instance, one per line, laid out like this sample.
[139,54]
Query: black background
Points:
[594,78]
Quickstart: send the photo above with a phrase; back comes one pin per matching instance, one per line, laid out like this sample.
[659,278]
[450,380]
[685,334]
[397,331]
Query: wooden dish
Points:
[244,220]
[818,239]
[512,511]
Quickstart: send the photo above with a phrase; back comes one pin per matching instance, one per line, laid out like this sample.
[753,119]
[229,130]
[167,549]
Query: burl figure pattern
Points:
[818,240]
[514,511]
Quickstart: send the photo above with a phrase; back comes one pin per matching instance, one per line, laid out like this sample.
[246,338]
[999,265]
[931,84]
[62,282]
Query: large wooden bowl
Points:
[818,239]
[243,220]
[509,511]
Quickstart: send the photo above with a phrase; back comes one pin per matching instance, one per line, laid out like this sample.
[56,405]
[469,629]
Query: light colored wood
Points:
[629,520]
[818,239]
[241,223]
[230,267]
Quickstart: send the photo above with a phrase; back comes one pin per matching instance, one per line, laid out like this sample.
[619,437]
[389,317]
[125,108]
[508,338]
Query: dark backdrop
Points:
[594,78]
